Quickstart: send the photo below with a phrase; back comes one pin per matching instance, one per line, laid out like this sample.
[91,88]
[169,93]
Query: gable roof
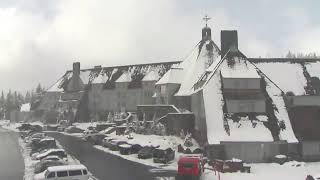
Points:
[112,74]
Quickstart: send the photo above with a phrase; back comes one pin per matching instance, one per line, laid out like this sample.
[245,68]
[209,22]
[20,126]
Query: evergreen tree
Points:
[2,105]
[39,89]
[27,97]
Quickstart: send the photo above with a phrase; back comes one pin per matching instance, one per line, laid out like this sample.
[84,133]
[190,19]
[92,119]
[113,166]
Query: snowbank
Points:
[269,171]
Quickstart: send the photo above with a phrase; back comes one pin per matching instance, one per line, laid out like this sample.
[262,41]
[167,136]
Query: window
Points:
[85,172]
[51,175]
[163,89]
[62,173]
[75,173]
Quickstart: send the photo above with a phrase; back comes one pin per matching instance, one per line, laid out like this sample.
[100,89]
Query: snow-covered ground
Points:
[147,140]
[6,124]
[267,171]
[29,163]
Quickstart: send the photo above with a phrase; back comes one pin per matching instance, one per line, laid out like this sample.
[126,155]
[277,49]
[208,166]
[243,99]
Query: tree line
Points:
[12,100]
[301,55]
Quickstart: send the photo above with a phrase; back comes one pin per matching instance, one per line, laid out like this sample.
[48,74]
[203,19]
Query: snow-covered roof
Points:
[313,69]
[100,79]
[57,87]
[138,72]
[151,76]
[125,77]
[195,65]
[25,107]
[173,76]
[213,103]
[288,76]
[240,70]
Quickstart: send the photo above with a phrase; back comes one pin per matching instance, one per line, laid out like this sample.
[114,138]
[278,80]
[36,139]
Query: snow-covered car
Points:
[43,165]
[96,139]
[64,172]
[106,141]
[146,152]
[58,152]
[52,158]
[125,149]
[163,155]
[87,133]
[114,144]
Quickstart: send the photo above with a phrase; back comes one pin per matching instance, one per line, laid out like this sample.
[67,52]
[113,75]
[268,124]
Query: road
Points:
[102,165]
[11,161]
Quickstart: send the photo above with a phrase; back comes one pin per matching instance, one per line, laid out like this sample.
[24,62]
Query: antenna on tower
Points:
[206,18]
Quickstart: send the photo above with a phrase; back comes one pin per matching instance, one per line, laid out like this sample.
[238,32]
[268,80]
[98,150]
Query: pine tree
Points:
[2,105]
[27,97]
[39,89]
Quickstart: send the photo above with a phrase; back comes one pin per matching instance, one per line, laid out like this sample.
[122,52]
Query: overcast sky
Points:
[39,39]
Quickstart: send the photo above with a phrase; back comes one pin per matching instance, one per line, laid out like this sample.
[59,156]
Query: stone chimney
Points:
[229,40]
[76,68]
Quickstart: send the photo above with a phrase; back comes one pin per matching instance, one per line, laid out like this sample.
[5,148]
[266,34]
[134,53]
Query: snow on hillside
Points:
[281,114]
[288,76]
[313,69]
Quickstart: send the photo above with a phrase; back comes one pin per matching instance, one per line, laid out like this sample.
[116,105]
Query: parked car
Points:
[190,166]
[87,133]
[44,164]
[73,129]
[64,172]
[146,152]
[58,152]
[60,128]
[106,141]
[135,148]
[52,158]
[114,144]
[125,149]
[163,155]
[95,139]
[45,143]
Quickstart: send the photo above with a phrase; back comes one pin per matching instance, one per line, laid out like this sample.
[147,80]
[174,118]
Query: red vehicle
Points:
[190,166]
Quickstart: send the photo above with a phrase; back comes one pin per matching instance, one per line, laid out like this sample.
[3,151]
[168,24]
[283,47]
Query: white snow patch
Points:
[244,131]
[213,103]
[267,171]
[240,70]
[288,76]
[282,113]
[125,77]
[313,69]
[25,107]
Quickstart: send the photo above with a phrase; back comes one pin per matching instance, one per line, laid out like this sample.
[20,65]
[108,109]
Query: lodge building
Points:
[233,105]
